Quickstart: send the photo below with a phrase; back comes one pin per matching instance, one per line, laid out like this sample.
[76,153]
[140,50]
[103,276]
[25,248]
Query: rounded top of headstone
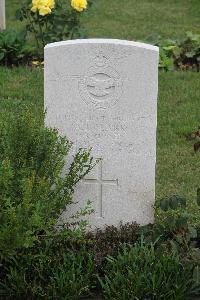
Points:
[103,41]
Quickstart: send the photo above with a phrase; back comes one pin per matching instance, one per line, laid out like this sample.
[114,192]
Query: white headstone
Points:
[2,15]
[102,94]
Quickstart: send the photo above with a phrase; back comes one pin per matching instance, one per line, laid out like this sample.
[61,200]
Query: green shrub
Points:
[181,54]
[33,191]
[13,48]
[173,230]
[165,62]
[173,225]
[107,242]
[141,272]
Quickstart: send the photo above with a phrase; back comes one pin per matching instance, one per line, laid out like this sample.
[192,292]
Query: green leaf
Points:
[164,204]
[169,48]
[173,202]
[177,201]
[177,51]
[2,54]
[192,232]
[190,54]
[181,222]
[19,15]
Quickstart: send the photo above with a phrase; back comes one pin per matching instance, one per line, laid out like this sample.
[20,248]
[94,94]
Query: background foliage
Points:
[179,54]
[14,49]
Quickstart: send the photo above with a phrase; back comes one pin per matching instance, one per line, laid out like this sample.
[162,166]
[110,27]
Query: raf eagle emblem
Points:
[100,87]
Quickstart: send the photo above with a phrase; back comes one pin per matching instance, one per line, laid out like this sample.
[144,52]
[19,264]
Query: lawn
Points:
[133,19]
[179,94]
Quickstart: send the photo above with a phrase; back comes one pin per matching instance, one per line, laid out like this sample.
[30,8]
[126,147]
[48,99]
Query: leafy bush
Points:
[173,232]
[165,62]
[13,48]
[59,21]
[33,192]
[173,227]
[178,53]
[107,242]
[141,272]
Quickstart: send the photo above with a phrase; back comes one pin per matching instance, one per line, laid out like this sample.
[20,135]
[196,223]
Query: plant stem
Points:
[35,32]
[42,35]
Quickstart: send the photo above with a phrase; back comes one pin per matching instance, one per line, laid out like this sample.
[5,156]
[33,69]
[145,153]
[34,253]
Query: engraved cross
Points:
[100,182]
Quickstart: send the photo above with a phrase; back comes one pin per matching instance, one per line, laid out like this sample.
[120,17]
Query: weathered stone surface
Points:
[2,15]
[103,93]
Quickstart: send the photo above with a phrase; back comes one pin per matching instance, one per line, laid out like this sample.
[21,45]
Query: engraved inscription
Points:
[101,87]
[100,182]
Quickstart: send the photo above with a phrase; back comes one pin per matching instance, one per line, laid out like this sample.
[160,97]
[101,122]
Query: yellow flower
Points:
[44,10]
[35,2]
[79,5]
[34,8]
[47,3]
[43,6]
[51,3]
[35,62]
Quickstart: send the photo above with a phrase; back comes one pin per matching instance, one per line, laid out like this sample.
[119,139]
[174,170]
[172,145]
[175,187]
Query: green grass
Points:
[11,7]
[133,19]
[178,105]
[178,116]
[20,87]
